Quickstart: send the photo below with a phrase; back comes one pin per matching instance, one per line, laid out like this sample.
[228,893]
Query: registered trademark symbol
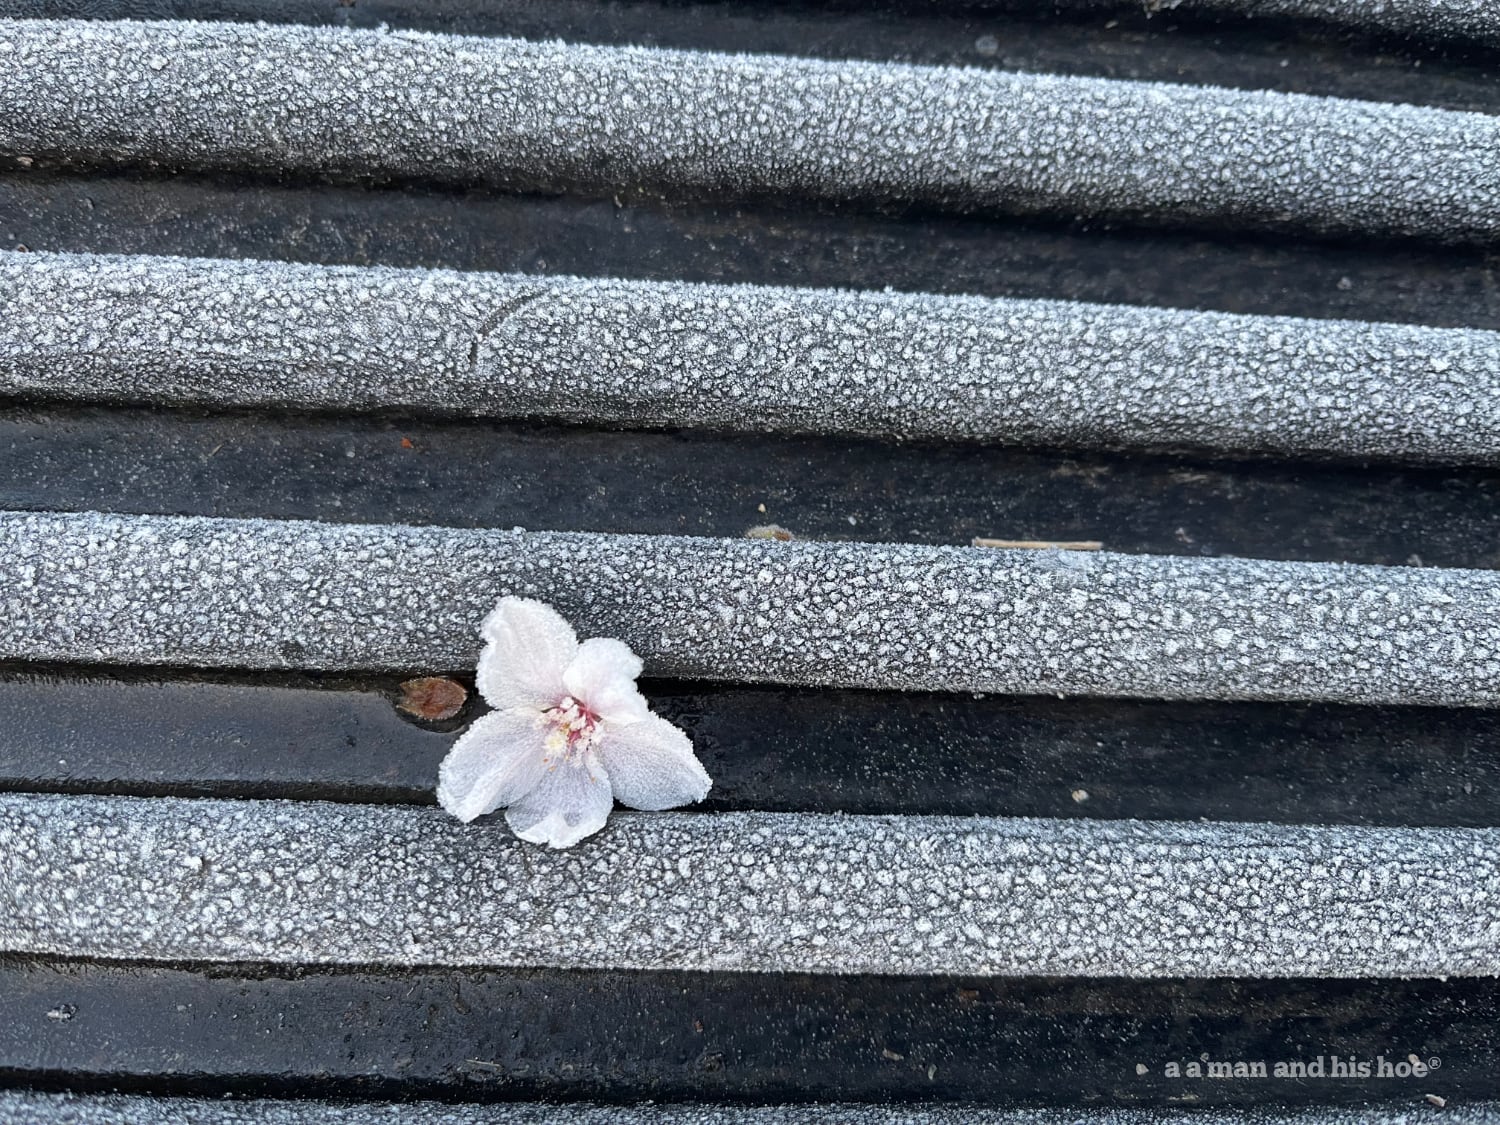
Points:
[1434,1062]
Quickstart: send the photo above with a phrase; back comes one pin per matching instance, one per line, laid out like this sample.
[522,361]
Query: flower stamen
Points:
[574,730]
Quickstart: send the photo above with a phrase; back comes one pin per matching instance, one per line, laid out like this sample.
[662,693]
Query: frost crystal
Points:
[570,733]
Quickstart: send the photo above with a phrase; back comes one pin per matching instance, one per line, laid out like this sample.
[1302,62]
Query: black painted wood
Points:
[474,1035]
[306,737]
[555,478]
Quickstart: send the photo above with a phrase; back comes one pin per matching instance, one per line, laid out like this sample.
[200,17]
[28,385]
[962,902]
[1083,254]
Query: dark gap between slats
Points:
[619,1036]
[282,735]
[1148,222]
[765,244]
[557,478]
[1123,43]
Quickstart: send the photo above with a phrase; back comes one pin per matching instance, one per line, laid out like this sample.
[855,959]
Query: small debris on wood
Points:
[968,995]
[62,1013]
[1080,795]
[432,698]
[407,443]
[770,531]
[1040,544]
[886,1052]
[1434,1099]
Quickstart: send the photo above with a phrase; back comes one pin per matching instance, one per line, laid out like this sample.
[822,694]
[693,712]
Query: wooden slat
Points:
[53,1109]
[261,593]
[530,116]
[581,351]
[308,883]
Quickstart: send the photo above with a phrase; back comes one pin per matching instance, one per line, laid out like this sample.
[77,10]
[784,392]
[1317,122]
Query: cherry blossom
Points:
[570,733]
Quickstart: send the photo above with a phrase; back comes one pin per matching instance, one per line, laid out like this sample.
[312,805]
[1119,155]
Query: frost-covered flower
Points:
[570,733]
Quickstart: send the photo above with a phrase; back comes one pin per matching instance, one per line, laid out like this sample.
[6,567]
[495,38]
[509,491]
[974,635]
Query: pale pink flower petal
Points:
[496,762]
[652,766]
[572,801]
[569,718]
[528,647]
[602,678]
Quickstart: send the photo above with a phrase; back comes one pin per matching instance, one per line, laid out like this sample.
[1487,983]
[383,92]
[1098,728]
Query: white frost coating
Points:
[570,734]
[1478,20]
[313,883]
[20,1107]
[547,115]
[741,357]
[270,593]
